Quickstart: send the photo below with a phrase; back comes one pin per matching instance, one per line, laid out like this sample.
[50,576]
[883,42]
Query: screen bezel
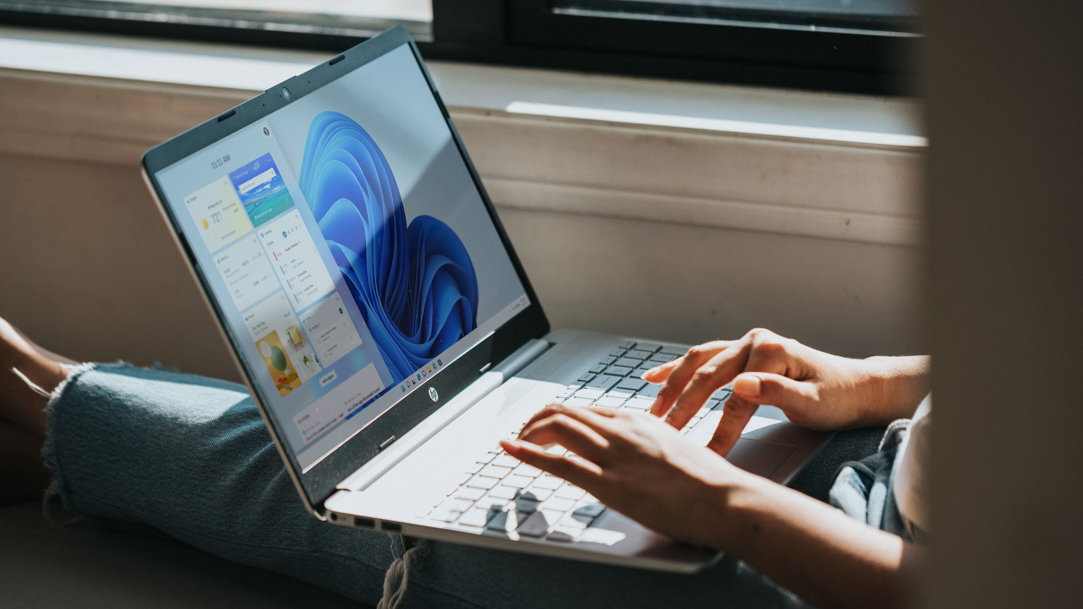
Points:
[319,482]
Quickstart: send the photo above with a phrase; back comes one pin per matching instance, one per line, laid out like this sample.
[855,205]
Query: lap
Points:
[191,457]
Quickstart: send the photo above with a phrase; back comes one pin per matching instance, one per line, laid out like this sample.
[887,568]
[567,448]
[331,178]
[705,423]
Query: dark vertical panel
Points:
[1005,89]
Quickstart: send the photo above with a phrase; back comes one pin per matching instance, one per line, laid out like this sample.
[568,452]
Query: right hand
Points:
[815,389]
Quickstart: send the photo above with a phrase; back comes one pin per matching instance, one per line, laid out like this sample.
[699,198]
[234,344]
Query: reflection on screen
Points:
[348,249]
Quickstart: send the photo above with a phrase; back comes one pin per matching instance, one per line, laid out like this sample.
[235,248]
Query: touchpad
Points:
[761,458]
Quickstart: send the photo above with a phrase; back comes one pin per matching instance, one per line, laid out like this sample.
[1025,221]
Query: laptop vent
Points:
[513,395]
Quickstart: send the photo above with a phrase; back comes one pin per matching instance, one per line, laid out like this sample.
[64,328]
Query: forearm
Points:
[900,383]
[812,549]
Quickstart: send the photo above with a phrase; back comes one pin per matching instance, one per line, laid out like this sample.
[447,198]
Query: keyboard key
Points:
[527,470]
[652,347]
[660,358]
[503,492]
[632,384]
[617,371]
[442,515]
[570,491]
[458,505]
[534,526]
[597,368]
[620,394]
[626,344]
[604,382]
[638,403]
[572,523]
[469,494]
[609,402]
[591,511]
[541,493]
[619,351]
[650,391]
[477,517]
[548,482]
[670,350]
[628,363]
[552,516]
[464,478]
[516,481]
[501,522]
[637,354]
[608,360]
[495,471]
[586,378]
[475,468]
[589,393]
[482,482]
[575,402]
[559,504]
[526,501]
[722,394]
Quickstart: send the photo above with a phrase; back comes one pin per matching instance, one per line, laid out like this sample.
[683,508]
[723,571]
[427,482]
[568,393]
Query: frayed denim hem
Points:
[53,410]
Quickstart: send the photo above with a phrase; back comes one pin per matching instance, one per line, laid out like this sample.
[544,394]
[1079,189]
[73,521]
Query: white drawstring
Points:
[33,386]
[394,589]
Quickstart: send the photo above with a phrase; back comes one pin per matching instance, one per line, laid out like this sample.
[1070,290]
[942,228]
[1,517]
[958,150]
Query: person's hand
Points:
[634,464]
[815,389]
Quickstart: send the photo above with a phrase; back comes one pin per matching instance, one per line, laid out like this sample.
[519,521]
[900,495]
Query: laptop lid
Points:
[349,253]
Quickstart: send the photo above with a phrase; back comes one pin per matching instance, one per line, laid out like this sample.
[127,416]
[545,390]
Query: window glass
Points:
[847,14]
[340,17]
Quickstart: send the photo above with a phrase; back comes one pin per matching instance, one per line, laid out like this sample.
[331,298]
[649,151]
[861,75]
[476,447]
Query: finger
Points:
[660,373]
[569,433]
[587,414]
[548,411]
[710,377]
[735,415]
[774,389]
[682,371]
[581,473]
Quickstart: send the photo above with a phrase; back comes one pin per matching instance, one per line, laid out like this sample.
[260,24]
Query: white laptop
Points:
[385,327]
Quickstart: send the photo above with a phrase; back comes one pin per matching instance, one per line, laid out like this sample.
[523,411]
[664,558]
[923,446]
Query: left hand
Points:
[635,464]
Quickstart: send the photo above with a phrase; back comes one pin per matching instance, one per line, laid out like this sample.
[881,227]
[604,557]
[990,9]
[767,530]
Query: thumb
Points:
[773,389]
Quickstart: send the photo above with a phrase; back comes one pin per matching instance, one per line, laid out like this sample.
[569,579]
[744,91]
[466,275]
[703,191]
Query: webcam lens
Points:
[286,95]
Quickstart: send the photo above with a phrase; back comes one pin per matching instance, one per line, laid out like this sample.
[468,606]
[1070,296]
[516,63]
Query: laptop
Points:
[386,329]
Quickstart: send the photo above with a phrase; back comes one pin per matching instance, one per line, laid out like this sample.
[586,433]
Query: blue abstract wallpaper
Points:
[415,284]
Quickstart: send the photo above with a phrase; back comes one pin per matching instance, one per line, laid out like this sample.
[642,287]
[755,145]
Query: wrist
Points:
[899,385]
[730,500]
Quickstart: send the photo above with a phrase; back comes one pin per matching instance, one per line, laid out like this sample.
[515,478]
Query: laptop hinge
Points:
[397,450]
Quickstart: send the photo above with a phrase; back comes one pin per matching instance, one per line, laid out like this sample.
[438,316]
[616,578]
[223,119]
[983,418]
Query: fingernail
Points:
[747,386]
[651,371]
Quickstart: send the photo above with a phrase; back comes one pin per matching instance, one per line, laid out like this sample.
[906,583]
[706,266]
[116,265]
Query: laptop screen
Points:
[348,248]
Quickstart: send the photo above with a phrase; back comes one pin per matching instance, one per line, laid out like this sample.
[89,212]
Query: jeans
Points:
[190,456]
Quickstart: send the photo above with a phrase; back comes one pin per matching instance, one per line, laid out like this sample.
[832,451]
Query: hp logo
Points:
[433,395]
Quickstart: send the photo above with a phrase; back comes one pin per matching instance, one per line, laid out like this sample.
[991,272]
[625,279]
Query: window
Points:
[858,46]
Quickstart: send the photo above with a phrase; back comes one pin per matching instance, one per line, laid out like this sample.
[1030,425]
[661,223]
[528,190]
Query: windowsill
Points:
[817,165]
[799,115]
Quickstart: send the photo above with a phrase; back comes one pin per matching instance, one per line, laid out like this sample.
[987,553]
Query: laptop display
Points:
[348,248]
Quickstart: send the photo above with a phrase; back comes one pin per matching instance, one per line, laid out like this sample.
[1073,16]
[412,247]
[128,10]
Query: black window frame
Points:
[528,33]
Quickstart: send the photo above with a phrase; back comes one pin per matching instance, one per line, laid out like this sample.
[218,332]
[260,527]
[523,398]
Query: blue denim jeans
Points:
[190,456]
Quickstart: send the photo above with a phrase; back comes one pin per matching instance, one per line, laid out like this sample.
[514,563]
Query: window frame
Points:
[528,33]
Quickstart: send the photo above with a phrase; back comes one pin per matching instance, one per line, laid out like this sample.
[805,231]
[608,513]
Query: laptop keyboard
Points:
[500,495]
